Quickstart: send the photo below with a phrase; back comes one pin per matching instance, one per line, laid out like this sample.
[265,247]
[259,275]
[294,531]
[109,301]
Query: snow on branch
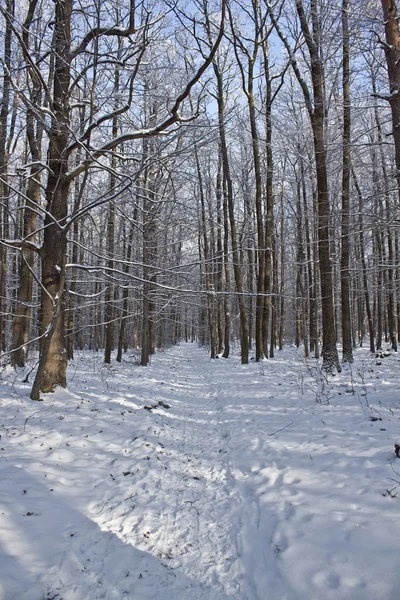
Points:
[173,119]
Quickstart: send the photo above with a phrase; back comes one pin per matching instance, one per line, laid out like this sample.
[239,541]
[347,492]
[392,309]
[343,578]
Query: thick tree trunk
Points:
[315,104]
[53,361]
[317,115]
[329,350]
[392,53]
[389,275]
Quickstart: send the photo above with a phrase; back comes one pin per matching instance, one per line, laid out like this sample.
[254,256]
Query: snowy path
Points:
[235,485]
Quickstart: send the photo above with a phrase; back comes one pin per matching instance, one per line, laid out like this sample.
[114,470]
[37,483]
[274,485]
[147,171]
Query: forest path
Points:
[195,479]
[198,511]
[211,521]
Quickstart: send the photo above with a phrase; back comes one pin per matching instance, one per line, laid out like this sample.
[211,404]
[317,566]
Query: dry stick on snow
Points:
[282,429]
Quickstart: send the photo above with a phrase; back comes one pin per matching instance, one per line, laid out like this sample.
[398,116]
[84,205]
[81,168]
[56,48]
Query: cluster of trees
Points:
[227,171]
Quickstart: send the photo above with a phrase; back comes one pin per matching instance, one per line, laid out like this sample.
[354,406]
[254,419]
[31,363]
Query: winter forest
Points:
[206,172]
[181,182]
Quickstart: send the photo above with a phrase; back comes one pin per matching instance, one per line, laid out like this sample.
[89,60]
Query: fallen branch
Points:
[283,428]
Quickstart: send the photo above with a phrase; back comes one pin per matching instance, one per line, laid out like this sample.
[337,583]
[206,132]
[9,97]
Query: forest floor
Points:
[194,479]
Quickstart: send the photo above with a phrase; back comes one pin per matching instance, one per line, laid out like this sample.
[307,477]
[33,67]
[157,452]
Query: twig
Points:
[26,380]
[26,420]
[396,473]
[283,428]
[191,502]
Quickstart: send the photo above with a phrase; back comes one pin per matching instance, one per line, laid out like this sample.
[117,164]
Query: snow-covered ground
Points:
[257,482]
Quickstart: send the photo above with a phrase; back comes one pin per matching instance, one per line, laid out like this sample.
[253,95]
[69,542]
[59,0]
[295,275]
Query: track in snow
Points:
[243,489]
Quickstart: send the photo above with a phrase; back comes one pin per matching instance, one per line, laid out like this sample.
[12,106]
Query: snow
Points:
[256,482]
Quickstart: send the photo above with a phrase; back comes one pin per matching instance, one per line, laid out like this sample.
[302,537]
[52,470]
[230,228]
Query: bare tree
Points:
[345,237]
[52,368]
[4,136]
[315,103]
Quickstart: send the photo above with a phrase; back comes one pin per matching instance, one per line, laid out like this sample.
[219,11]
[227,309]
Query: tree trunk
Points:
[329,350]
[53,362]
[22,317]
[109,307]
[312,325]
[315,104]
[345,237]
[125,291]
[269,218]
[207,261]
[4,215]
[237,269]
[282,307]
[392,53]
[219,259]
[364,266]
[34,134]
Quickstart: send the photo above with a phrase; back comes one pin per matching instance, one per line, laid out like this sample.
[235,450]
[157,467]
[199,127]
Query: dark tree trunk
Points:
[282,307]
[315,104]
[317,115]
[125,292]
[237,269]
[207,262]
[345,237]
[364,267]
[4,214]
[269,219]
[219,259]
[227,315]
[312,326]
[22,317]
[53,361]
[392,53]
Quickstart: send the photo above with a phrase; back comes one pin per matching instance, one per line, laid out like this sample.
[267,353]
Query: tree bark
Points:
[269,217]
[237,269]
[207,261]
[53,362]
[345,237]
[4,191]
[227,314]
[364,266]
[329,350]
[125,291]
[315,104]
